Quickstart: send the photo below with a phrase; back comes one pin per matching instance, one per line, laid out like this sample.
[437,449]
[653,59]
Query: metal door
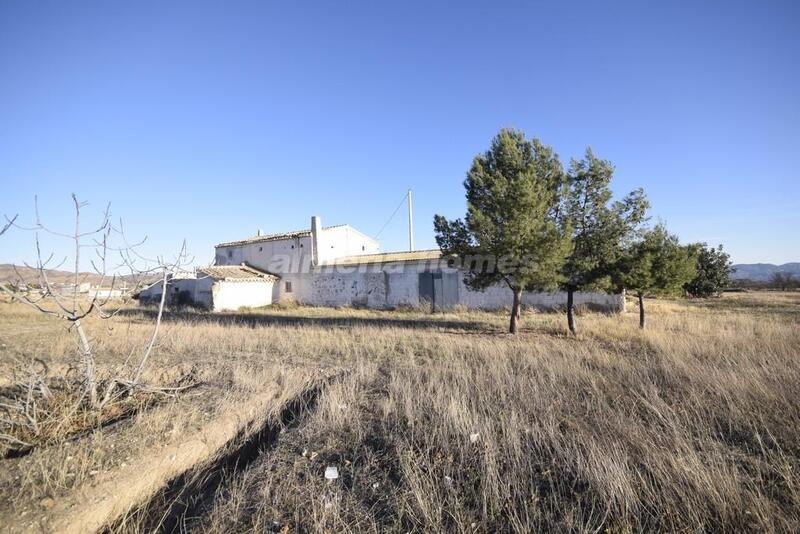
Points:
[438,289]
[448,297]
[426,289]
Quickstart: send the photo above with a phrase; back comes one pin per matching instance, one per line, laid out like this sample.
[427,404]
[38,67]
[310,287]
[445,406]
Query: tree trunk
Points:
[641,311]
[88,363]
[512,329]
[140,369]
[573,327]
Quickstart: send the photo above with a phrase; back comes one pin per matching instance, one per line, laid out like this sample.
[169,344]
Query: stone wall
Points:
[382,286]
[391,285]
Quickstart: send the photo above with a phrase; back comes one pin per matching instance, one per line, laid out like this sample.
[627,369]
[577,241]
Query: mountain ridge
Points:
[762,272]
[11,273]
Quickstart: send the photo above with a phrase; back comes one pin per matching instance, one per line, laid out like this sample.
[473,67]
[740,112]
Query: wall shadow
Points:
[258,319]
[758,303]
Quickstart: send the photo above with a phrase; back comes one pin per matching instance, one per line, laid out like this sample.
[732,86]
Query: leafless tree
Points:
[66,304]
[783,281]
[8,224]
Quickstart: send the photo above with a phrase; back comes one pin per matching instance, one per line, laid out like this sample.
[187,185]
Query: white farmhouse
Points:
[340,266]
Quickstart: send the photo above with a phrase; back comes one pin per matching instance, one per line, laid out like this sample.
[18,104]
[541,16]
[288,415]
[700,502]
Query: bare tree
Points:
[8,224]
[783,280]
[66,304]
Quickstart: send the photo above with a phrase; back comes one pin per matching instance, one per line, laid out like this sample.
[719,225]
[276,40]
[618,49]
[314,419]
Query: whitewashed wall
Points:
[203,291]
[497,297]
[293,255]
[174,287]
[382,286]
[391,285]
[151,292]
[341,241]
[230,295]
[271,256]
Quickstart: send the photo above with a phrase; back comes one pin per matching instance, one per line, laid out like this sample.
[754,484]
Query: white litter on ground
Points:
[331,472]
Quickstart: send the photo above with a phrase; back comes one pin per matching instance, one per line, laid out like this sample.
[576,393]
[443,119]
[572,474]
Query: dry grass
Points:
[444,423]
[691,425]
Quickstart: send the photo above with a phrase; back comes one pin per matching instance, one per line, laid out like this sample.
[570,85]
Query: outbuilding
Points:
[230,287]
[217,288]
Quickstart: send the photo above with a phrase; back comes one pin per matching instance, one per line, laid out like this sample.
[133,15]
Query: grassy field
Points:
[437,423]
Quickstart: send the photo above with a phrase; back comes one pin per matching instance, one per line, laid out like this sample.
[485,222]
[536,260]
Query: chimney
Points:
[316,230]
[259,232]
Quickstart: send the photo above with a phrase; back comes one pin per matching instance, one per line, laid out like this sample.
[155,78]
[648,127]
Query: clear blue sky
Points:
[208,120]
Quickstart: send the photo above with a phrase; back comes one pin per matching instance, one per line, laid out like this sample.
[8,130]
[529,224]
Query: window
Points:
[230,253]
[292,246]
[288,287]
[363,247]
[260,249]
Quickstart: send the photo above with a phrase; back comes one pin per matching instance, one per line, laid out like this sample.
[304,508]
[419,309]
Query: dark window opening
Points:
[230,253]
[301,245]
[363,247]
[288,287]
[260,249]
[292,246]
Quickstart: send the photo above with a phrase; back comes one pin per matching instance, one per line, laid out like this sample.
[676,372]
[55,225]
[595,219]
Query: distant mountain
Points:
[762,272]
[11,273]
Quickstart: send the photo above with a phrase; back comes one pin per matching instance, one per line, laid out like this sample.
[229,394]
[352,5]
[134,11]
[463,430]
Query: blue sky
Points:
[209,120]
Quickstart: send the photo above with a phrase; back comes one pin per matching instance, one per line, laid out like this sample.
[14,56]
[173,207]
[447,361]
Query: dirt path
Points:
[277,491]
[174,474]
[182,503]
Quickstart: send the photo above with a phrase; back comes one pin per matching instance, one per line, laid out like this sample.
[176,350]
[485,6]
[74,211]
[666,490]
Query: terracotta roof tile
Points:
[240,273]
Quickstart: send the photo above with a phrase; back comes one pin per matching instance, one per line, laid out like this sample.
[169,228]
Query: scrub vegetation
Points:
[432,422]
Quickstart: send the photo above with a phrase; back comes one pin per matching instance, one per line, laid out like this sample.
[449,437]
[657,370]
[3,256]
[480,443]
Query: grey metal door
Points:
[438,289]
[437,292]
[426,289]
[449,292]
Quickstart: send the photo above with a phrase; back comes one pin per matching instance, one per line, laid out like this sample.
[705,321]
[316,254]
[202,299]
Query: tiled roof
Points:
[239,273]
[386,257]
[273,237]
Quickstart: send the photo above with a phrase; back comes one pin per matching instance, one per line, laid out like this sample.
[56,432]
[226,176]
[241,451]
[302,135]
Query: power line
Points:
[392,216]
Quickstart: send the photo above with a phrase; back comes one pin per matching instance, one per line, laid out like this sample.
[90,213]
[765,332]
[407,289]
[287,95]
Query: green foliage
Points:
[512,231]
[713,271]
[656,264]
[600,228]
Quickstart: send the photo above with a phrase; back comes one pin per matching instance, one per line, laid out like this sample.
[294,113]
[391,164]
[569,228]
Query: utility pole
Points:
[410,224]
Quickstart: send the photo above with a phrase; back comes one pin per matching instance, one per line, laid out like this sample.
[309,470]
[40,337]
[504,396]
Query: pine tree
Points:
[713,271]
[656,265]
[600,228]
[512,232]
